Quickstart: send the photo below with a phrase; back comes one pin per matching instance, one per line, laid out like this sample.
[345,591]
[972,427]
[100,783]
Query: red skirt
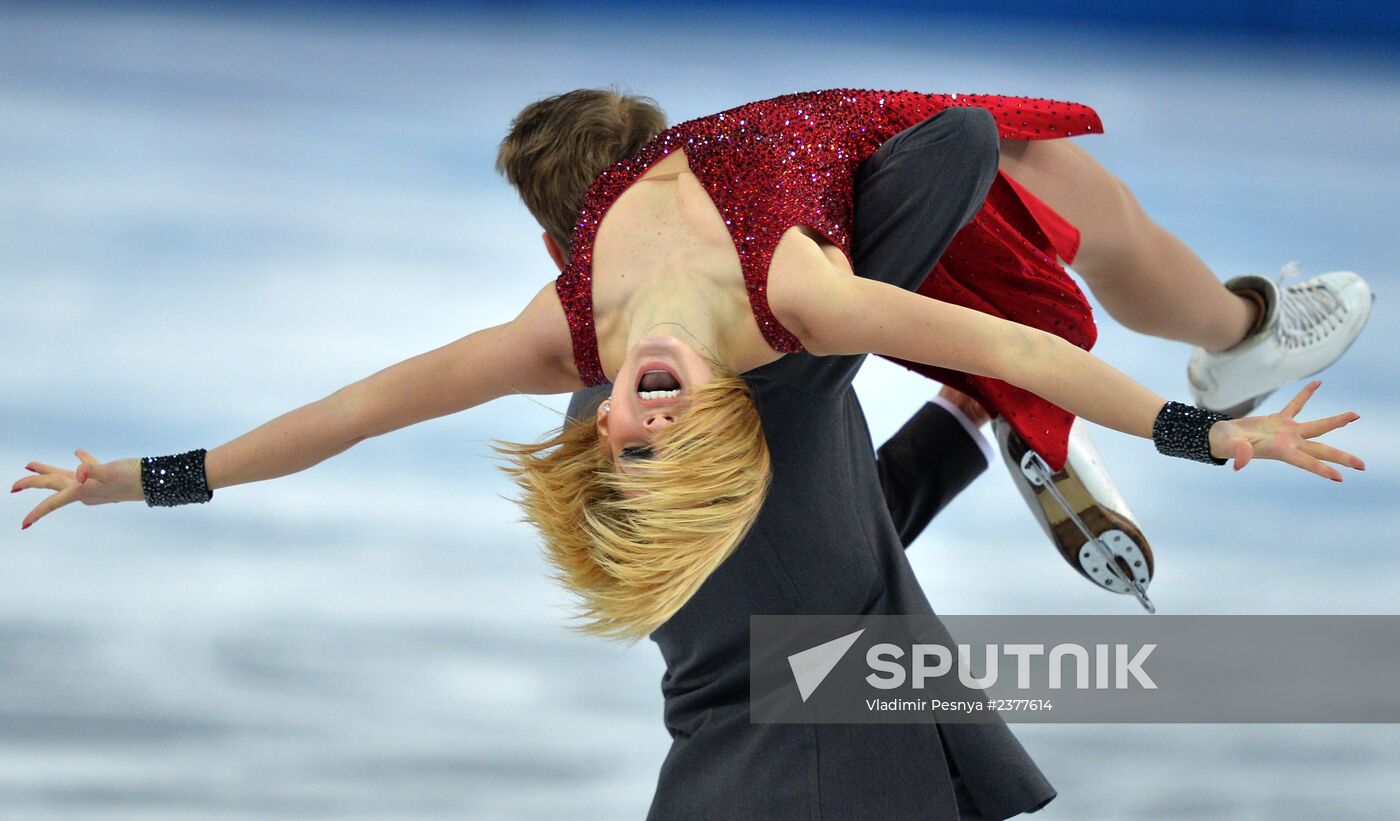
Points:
[1004,262]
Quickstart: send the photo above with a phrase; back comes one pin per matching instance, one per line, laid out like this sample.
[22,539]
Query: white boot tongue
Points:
[658,381]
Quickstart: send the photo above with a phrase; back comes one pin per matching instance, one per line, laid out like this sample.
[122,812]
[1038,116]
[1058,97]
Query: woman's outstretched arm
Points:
[848,314]
[529,354]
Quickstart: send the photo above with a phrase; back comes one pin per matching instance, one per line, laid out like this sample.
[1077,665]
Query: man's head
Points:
[557,146]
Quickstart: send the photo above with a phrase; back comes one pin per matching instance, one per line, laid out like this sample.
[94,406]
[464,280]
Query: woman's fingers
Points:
[1297,458]
[67,484]
[40,467]
[1243,453]
[47,506]
[1292,442]
[40,480]
[1294,407]
[85,469]
[1328,453]
[1317,427]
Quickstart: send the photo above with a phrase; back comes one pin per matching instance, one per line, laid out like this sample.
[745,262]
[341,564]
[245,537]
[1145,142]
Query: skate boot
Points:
[1306,327]
[1082,512]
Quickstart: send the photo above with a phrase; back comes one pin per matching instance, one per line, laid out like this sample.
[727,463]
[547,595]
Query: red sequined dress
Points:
[792,160]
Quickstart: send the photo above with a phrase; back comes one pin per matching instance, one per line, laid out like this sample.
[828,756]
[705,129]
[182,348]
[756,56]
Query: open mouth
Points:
[658,383]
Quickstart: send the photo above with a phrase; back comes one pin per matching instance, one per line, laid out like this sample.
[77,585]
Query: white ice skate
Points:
[1082,512]
[1307,326]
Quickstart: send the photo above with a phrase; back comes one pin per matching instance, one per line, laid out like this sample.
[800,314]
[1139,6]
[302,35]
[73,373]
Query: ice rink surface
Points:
[208,219]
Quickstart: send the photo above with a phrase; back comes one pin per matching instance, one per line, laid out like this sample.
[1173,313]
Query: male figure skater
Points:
[912,197]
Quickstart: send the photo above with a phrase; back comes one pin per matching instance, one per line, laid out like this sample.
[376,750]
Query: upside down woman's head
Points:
[634,534]
[653,388]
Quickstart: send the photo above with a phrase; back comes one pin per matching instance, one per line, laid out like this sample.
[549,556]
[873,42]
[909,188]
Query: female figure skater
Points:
[702,437]
[764,191]
[726,246]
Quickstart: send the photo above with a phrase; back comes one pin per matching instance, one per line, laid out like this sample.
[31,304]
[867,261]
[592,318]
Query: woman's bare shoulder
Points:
[541,331]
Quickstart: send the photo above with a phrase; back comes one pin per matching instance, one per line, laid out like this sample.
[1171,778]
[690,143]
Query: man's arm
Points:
[931,459]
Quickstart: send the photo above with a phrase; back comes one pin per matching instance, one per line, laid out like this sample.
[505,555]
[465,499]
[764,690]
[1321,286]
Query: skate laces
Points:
[1308,311]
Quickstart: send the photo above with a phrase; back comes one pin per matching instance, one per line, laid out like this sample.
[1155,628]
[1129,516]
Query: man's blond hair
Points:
[635,547]
[557,146]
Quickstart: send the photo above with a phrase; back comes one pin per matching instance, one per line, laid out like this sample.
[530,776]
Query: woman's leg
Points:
[1144,276]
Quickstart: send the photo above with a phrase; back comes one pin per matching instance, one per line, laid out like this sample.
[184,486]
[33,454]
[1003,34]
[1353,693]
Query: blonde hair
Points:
[557,146]
[634,558]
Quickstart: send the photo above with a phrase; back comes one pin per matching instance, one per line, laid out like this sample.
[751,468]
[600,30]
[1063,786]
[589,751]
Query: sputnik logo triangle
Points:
[810,667]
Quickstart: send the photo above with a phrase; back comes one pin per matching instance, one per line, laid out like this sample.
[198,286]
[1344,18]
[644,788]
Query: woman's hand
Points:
[93,483]
[1279,436]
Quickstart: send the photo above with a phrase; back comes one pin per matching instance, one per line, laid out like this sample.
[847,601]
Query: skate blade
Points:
[1113,560]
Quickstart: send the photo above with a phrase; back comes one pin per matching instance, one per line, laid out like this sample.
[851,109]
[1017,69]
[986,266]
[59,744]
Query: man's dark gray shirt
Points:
[830,539]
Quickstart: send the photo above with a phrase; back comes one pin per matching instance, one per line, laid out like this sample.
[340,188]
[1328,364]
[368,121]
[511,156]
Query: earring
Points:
[607,407]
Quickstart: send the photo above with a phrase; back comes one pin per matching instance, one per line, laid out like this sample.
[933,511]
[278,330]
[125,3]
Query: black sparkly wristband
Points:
[167,481]
[1184,431]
